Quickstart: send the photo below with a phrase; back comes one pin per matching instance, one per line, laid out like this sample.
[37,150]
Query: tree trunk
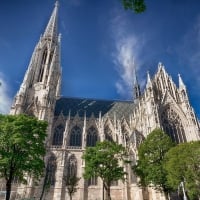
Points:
[70,197]
[44,185]
[8,189]
[108,191]
[166,195]
[107,188]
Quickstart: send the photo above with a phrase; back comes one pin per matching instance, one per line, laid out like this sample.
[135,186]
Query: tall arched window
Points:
[72,166]
[172,125]
[75,137]
[58,135]
[108,134]
[51,170]
[125,135]
[170,87]
[159,85]
[41,72]
[92,137]
[183,94]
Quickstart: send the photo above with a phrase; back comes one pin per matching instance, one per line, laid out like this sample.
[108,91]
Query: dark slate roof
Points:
[83,106]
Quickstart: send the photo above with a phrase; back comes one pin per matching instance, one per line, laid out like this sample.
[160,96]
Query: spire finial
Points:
[149,84]
[57,4]
[51,29]
[181,84]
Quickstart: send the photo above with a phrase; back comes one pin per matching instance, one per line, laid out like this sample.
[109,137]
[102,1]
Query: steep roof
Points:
[83,106]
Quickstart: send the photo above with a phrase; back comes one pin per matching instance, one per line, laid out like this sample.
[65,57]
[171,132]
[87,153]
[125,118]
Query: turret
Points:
[136,87]
[182,89]
[149,82]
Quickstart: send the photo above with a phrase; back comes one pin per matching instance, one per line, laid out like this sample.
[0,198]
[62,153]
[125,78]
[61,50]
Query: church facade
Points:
[76,123]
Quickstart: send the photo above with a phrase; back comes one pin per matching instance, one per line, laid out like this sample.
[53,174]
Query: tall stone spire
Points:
[52,26]
[41,85]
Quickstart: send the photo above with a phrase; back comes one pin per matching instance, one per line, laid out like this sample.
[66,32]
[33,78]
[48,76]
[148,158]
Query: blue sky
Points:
[99,41]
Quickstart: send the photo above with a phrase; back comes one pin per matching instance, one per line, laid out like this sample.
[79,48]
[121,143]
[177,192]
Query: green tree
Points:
[21,148]
[103,161]
[71,183]
[138,6]
[183,165]
[150,166]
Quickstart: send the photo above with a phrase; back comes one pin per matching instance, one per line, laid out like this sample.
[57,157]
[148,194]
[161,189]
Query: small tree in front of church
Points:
[105,160]
[71,183]
[150,165]
[21,149]
[182,164]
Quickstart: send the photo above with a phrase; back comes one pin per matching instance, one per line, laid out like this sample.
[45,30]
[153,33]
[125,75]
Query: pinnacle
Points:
[51,29]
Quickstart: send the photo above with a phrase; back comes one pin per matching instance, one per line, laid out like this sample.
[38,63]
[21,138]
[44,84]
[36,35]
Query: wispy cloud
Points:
[64,27]
[125,59]
[5,100]
[75,2]
[125,55]
[189,52]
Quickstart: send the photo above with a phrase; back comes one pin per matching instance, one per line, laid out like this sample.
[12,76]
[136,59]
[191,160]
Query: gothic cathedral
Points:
[76,123]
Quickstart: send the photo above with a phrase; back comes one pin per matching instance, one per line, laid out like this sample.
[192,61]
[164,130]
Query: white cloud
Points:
[125,55]
[5,100]
[124,59]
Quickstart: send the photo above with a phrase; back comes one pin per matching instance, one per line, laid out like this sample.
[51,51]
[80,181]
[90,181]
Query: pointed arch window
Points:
[163,80]
[44,57]
[75,137]
[177,96]
[183,94]
[92,137]
[51,170]
[108,134]
[159,85]
[72,166]
[50,57]
[172,125]
[43,61]
[58,135]
[125,135]
[170,87]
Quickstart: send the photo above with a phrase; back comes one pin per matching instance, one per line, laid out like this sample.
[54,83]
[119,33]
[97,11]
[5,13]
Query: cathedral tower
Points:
[41,85]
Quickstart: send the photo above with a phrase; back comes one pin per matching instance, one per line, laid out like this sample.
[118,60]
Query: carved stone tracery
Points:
[172,125]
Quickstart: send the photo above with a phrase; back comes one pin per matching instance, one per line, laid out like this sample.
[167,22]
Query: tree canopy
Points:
[183,165]
[21,148]
[138,6]
[150,166]
[105,161]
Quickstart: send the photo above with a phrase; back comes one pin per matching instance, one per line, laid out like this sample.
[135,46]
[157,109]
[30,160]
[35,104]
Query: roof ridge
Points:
[95,99]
